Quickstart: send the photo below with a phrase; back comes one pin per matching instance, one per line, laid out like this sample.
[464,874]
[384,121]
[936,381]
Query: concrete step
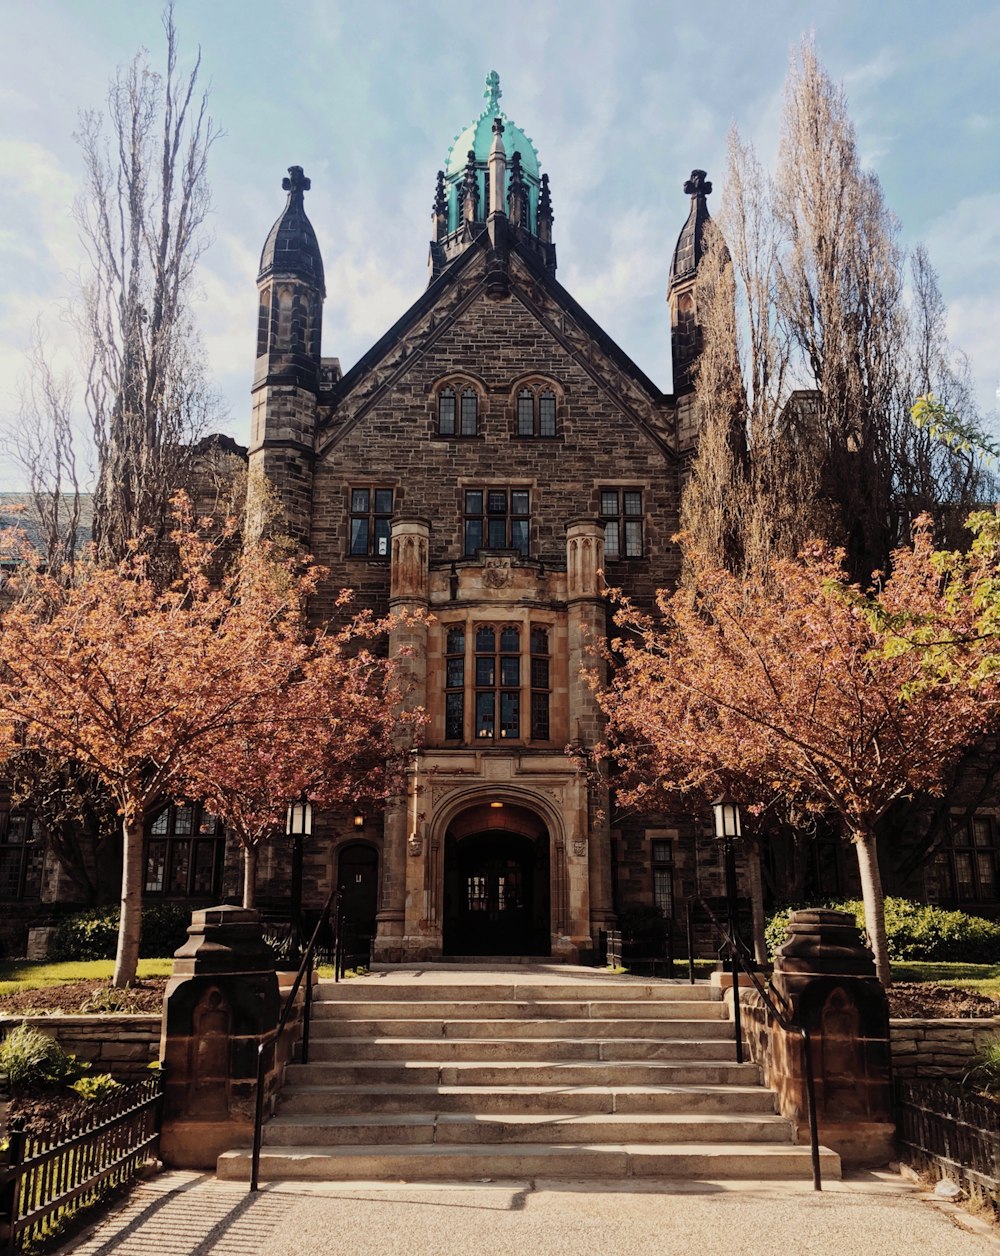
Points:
[365,1073]
[563,1009]
[441,1128]
[611,989]
[578,1030]
[610,1161]
[680,1099]
[445,1050]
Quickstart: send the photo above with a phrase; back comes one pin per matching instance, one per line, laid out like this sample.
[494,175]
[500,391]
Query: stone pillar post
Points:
[221,1000]
[826,975]
[586,629]
[409,597]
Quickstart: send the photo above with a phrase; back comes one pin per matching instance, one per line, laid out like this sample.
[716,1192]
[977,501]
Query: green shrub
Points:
[32,1060]
[93,1089]
[916,931]
[985,1073]
[94,934]
[112,999]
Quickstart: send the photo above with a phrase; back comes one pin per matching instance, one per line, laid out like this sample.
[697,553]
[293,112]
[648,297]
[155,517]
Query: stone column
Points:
[409,598]
[586,630]
[221,1000]
[826,975]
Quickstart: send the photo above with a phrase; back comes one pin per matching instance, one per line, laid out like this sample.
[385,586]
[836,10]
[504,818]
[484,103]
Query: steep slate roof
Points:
[582,337]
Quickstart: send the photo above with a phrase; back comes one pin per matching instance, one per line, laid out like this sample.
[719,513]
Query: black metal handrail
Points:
[742,959]
[270,1040]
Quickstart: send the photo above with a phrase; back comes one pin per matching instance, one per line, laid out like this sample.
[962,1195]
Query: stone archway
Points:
[496,882]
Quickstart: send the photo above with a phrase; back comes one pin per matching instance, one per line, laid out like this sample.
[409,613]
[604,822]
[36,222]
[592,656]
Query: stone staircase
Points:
[554,1075]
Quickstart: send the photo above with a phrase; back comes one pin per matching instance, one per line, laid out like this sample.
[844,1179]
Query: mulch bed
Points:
[910,998]
[144,996]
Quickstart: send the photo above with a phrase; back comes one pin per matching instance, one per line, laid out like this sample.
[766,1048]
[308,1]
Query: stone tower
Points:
[685,333]
[287,372]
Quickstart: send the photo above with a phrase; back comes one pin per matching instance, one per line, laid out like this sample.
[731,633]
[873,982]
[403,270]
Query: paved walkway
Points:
[187,1214]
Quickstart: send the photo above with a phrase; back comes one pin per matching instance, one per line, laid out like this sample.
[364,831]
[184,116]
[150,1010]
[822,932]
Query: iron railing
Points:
[949,1130]
[50,1178]
[331,916]
[741,959]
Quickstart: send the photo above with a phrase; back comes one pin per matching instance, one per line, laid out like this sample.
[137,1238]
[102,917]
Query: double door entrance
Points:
[496,894]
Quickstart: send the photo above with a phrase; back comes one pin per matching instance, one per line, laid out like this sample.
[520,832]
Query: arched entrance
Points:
[496,883]
[357,880]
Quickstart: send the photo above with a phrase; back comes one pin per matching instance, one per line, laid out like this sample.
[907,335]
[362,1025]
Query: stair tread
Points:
[532,1149]
[523,1118]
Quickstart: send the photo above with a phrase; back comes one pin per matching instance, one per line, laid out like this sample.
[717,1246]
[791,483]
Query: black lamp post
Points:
[298,826]
[727,829]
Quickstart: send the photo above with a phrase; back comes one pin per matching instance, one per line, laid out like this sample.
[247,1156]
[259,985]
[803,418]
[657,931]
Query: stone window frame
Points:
[166,833]
[537,386]
[22,856]
[459,683]
[373,518]
[970,859]
[621,516]
[460,383]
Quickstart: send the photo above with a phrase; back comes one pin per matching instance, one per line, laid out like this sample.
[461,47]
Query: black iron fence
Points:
[50,1178]
[953,1133]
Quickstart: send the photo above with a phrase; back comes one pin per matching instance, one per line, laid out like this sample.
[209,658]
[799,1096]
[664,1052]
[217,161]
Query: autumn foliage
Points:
[790,681]
[209,688]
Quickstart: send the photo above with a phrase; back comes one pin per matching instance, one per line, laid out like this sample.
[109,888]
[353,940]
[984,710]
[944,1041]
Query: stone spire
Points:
[439,220]
[470,189]
[545,212]
[497,166]
[690,243]
[517,194]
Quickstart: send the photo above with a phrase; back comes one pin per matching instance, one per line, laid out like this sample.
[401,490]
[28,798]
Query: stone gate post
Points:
[826,976]
[221,1000]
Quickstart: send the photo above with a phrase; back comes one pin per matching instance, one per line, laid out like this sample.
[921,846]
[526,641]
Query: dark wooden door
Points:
[357,880]
[497,891]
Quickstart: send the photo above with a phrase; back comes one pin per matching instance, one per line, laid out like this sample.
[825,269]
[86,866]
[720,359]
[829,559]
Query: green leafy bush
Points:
[916,931]
[112,999]
[94,934]
[93,1089]
[33,1060]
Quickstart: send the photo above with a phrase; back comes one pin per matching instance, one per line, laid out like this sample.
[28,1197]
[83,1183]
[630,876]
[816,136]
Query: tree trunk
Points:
[871,892]
[756,901]
[249,875]
[130,925]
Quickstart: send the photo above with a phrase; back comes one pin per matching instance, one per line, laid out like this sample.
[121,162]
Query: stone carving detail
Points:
[579,847]
[498,573]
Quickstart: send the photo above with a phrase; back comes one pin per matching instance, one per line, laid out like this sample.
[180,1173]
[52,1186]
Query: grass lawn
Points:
[25,974]
[983,978]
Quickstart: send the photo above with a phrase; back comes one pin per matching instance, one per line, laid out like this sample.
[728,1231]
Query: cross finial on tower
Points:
[497,126]
[698,184]
[296,181]
[493,92]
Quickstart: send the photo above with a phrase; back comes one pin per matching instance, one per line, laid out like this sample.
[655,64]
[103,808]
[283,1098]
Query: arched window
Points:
[446,412]
[525,412]
[536,411]
[184,848]
[470,412]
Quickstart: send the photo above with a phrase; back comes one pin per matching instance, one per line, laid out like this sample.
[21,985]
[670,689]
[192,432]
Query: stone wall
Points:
[936,1048]
[121,1044]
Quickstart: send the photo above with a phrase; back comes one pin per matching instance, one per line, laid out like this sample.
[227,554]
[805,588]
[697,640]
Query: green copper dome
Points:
[477,139]
[478,136]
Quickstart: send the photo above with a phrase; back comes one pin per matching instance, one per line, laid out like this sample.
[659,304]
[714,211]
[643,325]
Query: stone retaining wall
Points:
[117,1043]
[938,1047]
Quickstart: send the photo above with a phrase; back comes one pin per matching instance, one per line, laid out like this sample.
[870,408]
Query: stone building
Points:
[493,461]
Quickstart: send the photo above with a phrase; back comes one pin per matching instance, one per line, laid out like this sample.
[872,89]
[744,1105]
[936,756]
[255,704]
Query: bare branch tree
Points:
[41,442]
[812,357]
[141,216]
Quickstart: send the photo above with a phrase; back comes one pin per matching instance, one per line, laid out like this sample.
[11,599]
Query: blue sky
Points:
[622,100]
